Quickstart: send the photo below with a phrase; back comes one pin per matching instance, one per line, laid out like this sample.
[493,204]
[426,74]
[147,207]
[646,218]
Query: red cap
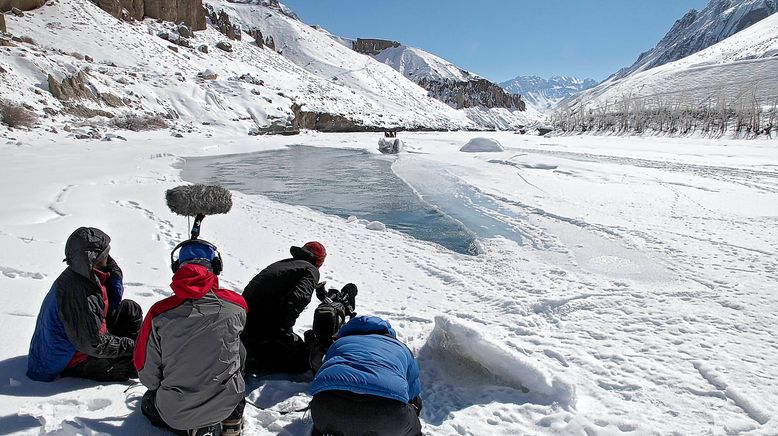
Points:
[318,251]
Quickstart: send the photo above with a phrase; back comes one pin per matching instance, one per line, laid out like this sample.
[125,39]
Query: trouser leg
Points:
[345,414]
[148,406]
[125,322]
[283,353]
[103,370]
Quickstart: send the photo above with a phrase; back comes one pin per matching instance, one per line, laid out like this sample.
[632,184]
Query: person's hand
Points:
[112,267]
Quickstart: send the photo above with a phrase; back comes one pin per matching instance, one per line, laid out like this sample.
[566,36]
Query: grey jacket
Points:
[189,350]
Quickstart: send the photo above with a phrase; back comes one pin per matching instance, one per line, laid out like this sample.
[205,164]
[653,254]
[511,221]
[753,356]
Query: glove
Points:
[112,267]
[321,290]
[415,402]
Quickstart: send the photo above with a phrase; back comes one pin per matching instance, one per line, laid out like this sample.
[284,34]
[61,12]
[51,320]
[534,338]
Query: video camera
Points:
[345,297]
[328,317]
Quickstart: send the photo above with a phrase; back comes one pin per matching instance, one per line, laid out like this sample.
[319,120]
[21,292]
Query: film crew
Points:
[367,384]
[84,328]
[189,353]
[276,297]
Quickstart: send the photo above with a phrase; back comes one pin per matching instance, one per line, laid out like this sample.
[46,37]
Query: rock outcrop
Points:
[74,88]
[221,21]
[472,93]
[22,5]
[372,47]
[326,122]
[71,88]
[190,12]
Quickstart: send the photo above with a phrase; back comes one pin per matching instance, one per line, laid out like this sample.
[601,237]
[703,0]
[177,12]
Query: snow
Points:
[476,145]
[645,283]
[131,62]
[381,89]
[743,63]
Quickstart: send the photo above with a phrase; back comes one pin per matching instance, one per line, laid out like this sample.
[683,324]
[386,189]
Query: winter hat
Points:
[196,251]
[312,251]
[318,252]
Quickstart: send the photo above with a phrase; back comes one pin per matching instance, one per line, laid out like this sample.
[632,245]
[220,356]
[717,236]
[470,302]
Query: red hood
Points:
[192,281]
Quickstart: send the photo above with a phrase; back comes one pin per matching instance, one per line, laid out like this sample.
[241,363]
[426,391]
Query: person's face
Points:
[102,261]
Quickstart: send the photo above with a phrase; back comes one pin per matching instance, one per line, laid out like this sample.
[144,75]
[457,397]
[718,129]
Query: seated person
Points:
[367,384]
[276,297]
[189,353]
[84,328]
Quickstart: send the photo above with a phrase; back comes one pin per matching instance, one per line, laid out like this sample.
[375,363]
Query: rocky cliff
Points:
[190,12]
[22,5]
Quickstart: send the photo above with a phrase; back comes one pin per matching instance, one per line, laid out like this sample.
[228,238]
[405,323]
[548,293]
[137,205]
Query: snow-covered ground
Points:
[643,300]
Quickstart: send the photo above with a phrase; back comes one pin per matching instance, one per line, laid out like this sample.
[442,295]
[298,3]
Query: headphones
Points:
[216,263]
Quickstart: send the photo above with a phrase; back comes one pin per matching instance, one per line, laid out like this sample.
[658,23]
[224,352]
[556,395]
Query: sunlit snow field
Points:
[635,293]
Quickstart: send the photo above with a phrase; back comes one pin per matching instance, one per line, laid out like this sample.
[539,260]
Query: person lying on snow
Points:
[276,297]
[84,328]
[189,353]
[367,384]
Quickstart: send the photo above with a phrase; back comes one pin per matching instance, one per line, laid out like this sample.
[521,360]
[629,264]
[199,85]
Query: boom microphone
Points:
[193,200]
[198,201]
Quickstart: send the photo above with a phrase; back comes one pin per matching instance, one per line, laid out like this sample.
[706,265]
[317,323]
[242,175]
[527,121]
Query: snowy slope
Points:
[741,66]
[383,89]
[254,87]
[545,94]
[698,30]
[415,63]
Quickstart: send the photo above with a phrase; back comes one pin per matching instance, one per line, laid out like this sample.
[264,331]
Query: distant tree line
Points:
[748,114]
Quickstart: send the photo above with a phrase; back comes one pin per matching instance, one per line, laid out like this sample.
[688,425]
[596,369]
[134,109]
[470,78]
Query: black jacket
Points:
[278,294]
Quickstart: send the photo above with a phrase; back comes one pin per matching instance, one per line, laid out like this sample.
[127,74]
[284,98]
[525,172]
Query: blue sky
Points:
[500,39]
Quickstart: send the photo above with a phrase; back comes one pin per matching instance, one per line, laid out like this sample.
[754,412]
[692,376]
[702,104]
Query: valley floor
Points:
[641,300]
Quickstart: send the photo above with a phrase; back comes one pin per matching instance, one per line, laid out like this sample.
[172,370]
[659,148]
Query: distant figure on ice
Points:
[276,297]
[368,383]
[84,328]
[189,353]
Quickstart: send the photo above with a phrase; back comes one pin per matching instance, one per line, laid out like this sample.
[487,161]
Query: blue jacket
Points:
[368,359]
[72,317]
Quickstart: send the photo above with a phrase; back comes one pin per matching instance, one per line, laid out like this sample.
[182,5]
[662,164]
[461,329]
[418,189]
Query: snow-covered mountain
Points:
[485,102]
[739,68]
[545,94]
[109,67]
[698,30]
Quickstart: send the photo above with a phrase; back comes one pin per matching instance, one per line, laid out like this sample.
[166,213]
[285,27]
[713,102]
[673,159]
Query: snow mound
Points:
[476,145]
[376,225]
[463,341]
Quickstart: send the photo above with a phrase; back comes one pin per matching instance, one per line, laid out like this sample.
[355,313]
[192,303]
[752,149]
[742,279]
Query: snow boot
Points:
[232,426]
[211,430]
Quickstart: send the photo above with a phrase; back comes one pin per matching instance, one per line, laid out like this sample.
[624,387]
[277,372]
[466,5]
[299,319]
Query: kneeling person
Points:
[189,354]
[368,383]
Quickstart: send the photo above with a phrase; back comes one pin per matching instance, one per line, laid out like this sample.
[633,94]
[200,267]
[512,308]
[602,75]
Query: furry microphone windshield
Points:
[194,200]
